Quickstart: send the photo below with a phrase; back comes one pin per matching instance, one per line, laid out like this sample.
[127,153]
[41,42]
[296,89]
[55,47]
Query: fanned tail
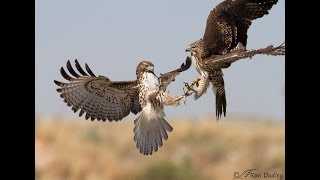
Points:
[149,131]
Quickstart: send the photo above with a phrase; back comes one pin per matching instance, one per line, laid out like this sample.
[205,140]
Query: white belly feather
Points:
[151,81]
[151,84]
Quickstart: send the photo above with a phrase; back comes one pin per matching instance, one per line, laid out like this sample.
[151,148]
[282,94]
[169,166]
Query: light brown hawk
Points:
[103,99]
[223,43]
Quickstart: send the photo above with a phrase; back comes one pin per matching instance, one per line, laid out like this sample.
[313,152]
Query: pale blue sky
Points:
[114,36]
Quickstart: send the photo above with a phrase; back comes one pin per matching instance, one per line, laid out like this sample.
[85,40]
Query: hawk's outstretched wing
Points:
[167,78]
[229,21]
[98,97]
[217,61]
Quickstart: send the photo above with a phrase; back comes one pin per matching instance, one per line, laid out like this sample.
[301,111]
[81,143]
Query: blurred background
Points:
[113,37]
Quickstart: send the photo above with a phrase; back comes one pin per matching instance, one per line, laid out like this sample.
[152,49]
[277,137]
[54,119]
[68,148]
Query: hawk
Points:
[103,99]
[224,42]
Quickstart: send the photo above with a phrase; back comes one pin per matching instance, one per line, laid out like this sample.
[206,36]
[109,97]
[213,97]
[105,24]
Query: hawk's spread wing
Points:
[229,21]
[217,61]
[98,97]
[167,78]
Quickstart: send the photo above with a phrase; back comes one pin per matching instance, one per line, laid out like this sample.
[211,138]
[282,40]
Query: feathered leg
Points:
[150,129]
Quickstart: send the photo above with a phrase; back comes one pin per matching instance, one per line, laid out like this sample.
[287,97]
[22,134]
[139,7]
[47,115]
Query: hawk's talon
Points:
[184,100]
[189,88]
[186,93]
[179,98]
[195,82]
[184,97]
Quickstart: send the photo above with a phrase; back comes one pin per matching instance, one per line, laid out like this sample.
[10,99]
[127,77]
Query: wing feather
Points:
[98,97]
[229,21]
[80,69]
[217,61]
[89,70]
[65,75]
[70,69]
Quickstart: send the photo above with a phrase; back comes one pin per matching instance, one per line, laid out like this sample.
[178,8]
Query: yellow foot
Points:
[184,97]
[178,99]
[186,93]
[189,88]
[195,82]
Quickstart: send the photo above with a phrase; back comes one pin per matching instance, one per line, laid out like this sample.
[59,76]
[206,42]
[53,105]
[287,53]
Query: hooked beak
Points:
[187,49]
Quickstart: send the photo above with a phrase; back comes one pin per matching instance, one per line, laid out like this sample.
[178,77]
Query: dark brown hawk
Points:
[223,43]
[103,99]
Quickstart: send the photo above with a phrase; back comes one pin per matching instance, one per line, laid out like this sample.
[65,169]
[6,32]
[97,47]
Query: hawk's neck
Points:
[196,61]
[149,80]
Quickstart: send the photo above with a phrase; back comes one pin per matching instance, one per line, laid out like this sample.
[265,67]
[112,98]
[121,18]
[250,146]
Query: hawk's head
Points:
[196,47]
[144,66]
